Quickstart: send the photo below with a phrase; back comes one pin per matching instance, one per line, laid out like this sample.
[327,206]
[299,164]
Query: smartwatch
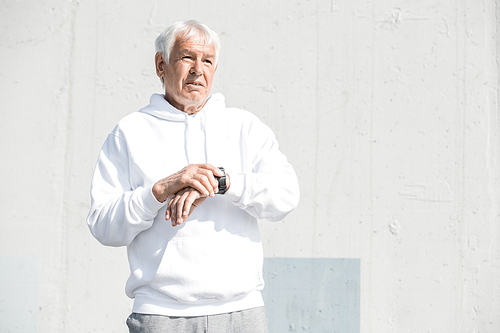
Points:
[222,182]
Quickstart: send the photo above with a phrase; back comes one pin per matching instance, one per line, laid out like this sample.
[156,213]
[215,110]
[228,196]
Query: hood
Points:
[158,107]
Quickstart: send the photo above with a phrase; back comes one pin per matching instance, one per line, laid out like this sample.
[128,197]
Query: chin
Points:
[196,97]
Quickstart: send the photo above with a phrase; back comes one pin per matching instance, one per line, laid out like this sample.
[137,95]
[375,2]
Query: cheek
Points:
[175,76]
[209,77]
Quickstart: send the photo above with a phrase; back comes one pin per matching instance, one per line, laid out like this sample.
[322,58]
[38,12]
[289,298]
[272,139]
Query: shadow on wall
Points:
[312,295]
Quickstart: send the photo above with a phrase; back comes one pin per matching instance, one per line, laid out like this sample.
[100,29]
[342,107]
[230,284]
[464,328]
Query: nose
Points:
[196,68]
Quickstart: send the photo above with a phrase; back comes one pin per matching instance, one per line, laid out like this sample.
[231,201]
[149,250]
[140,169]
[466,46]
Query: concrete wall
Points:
[387,109]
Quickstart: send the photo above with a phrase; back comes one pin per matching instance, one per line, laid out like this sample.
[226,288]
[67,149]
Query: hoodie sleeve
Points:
[270,190]
[118,213]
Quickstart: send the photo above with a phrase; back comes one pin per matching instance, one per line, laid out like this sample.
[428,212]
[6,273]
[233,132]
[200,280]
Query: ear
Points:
[160,64]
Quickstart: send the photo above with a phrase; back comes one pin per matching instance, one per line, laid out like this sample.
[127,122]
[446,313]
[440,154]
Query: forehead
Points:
[194,44]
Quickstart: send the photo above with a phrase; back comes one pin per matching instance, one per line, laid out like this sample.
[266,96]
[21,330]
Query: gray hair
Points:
[185,30]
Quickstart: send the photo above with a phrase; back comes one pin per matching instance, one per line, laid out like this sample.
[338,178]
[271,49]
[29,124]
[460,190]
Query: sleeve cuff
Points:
[236,187]
[150,204]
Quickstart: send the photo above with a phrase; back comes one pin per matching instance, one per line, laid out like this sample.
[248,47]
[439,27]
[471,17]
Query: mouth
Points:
[195,84]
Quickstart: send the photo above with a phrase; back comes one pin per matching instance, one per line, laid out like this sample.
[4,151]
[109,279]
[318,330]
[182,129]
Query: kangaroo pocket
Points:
[221,267]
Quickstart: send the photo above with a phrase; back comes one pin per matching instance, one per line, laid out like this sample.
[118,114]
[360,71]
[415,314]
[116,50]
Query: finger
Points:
[209,171]
[200,177]
[173,210]
[168,211]
[193,180]
[211,176]
[180,207]
[216,171]
[189,205]
[208,182]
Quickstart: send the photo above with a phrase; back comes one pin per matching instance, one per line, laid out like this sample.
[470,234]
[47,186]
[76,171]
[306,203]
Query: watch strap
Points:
[222,182]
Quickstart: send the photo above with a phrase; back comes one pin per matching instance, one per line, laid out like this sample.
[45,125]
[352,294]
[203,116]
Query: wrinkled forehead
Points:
[194,37]
[196,43]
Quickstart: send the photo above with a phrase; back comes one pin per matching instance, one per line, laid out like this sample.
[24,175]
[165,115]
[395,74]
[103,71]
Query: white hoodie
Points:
[212,263]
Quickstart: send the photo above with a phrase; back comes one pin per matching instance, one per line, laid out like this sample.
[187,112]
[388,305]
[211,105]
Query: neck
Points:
[187,108]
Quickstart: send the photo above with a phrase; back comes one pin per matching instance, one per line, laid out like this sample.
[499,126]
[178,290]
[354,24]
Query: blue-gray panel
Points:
[19,281]
[312,295]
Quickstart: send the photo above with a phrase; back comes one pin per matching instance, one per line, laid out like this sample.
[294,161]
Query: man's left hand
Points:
[183,204]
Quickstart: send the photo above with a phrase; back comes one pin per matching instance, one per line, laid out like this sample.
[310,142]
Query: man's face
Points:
[188,75]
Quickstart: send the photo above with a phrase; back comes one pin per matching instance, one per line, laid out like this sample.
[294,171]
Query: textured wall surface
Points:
[312,294]
[388,110]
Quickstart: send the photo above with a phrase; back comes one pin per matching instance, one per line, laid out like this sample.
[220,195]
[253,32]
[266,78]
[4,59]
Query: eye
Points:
[208,62]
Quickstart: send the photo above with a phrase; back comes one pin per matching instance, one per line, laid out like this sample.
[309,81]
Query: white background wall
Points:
[389,111]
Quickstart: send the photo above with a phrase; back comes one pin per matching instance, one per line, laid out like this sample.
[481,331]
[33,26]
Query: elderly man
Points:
[202,271]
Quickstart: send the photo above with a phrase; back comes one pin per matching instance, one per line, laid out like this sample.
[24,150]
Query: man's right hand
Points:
[198,176]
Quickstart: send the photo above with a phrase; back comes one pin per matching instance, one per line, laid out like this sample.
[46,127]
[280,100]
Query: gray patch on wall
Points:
[312,294]
[19,283]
